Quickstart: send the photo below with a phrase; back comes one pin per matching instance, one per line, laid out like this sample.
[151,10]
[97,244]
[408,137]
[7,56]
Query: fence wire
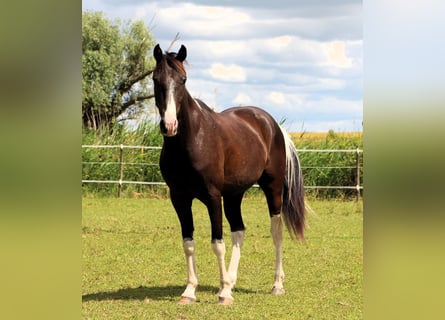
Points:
[121,163]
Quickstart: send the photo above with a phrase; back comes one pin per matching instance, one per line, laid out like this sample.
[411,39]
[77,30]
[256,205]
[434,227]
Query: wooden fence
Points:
[119,160]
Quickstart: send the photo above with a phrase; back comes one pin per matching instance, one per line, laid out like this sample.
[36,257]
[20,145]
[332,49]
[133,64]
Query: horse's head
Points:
[169,87]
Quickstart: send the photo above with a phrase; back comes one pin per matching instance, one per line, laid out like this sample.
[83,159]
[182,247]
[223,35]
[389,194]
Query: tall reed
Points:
[330,168]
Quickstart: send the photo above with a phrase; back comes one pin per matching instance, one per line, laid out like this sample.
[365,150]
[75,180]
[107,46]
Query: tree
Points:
[116,63]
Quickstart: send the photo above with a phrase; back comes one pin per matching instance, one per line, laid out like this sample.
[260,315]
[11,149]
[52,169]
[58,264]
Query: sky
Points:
[302,61]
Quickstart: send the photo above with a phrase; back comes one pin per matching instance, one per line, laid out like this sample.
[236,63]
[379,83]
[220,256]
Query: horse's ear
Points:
[157,53]
[182,54]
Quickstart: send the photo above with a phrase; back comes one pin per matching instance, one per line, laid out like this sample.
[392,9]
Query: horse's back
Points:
[245,120]
[253,142]
[252,115]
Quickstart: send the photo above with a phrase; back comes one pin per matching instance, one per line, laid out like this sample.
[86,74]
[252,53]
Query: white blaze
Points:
[170,112]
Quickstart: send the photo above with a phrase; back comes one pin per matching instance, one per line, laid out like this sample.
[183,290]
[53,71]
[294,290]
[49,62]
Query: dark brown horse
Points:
[213,156]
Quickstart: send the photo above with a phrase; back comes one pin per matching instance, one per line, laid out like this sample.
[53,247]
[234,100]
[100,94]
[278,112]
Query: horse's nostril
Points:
[168,129]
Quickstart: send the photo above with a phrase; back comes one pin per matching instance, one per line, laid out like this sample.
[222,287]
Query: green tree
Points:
[116,63]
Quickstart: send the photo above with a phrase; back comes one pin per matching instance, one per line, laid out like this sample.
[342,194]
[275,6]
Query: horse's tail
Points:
[293,207]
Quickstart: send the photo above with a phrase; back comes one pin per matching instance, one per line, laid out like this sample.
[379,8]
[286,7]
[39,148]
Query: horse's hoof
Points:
[186,300]
[225,301]
[277,291]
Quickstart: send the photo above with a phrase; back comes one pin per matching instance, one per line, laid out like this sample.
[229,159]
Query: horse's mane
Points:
[177,65]
[170,59]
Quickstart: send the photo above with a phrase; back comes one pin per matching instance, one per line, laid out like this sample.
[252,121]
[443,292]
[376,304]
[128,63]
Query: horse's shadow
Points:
[153,293]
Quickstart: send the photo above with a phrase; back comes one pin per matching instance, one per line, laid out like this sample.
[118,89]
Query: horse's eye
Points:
[183,79]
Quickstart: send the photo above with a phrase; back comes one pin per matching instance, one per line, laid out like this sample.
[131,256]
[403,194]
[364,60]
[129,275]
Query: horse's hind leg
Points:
[276,229]
[232,210]
[273,189]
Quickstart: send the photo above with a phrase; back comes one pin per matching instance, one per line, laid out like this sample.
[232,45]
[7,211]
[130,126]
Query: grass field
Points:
[133,265]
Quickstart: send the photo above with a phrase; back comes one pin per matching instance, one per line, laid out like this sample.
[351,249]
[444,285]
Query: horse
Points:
[213,156]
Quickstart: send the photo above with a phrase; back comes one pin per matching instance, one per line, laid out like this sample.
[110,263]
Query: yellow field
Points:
[318,136]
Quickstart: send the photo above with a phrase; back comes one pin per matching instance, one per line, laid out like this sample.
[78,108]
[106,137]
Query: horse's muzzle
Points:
[169,129]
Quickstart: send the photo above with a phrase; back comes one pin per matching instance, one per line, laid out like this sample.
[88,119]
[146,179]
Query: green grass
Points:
[134,267]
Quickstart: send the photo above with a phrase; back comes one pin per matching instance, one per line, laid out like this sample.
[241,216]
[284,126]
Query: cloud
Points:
[242,20]
[242,99]
[337,55]
[299,60]
[276,97]
[204,22]
[231,73]
[281,42]
[333,108]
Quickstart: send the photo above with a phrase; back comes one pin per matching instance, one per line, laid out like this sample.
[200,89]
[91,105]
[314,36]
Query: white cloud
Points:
[336,54]
[330,83]
[231,73]
[300,60]
[276,97]
[280,43]
[242,99]
[203,21]
[334,108]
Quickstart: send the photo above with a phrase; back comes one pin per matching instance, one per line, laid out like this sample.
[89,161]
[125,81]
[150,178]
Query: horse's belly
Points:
[244,175]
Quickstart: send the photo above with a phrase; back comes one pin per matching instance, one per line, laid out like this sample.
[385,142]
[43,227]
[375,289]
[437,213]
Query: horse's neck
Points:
[193,116]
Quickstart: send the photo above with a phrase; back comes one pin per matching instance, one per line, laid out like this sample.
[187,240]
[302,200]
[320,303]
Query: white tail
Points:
[293,207]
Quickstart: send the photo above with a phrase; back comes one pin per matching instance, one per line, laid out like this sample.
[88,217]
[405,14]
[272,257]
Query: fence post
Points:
[357,162]
[121,173]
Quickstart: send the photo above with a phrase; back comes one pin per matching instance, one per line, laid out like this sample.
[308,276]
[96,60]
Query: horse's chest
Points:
[178,172]
[173,168]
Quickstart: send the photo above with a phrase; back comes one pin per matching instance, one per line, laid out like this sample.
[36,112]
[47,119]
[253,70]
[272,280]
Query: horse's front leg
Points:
[232,209]
[219,249]
[188,296]
[183,207]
